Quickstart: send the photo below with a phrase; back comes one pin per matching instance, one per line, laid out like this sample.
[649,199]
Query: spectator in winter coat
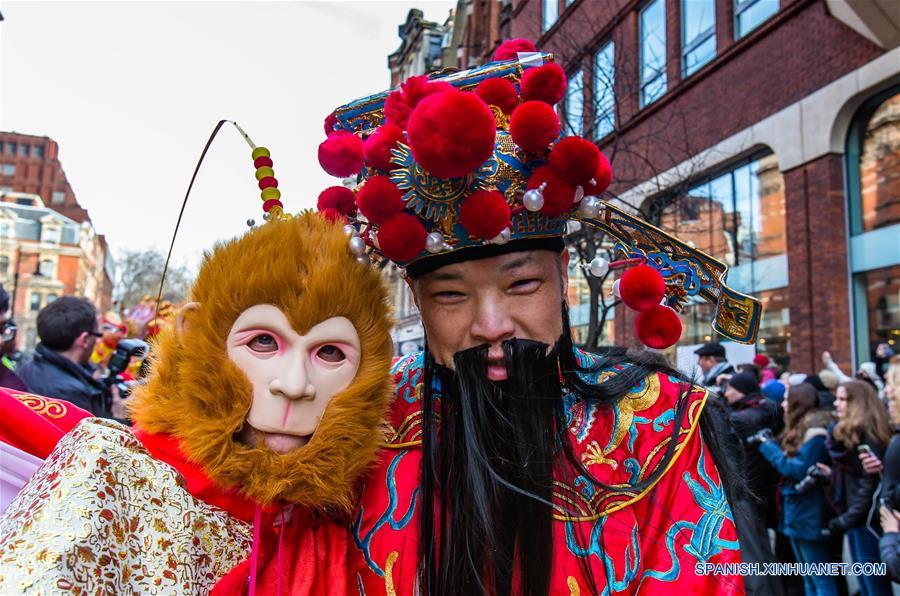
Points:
[8,378]
[60,367]
[711,360]
[805,509]
[750,412]
[862,426]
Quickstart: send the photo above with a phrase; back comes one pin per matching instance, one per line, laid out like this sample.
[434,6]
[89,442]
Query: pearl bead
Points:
[434,242]
[589,207]
[599,267]
[266,216]
[615,289]
[350,230]
[251,223]
[503,237]
[357,246]
[573,226]
[533,199]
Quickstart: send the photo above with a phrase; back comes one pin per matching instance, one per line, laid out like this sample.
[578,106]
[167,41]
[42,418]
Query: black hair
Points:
[61,322]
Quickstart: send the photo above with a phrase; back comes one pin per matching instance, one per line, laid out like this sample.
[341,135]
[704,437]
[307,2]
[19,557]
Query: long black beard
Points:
[490,463]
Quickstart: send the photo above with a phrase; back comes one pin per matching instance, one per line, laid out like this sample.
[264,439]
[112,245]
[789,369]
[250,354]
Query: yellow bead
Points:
[259,152]
[264,172]
[270,193]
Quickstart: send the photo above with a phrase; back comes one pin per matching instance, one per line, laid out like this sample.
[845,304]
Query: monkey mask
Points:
[276,381]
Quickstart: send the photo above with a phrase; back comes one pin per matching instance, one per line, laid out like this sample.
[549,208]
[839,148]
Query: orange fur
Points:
[304,267]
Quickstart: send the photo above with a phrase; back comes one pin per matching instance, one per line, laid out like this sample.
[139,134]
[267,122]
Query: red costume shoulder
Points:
[34,423]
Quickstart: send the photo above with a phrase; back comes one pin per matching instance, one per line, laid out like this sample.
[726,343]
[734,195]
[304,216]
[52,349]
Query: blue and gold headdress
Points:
[474,163]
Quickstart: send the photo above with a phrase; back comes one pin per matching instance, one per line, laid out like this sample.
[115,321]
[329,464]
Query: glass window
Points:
[4,264]
[605,91]
[11,148]
[48,268]
[575,103]
[38,151]
[750,14]
[25,150]
[9,169]
[35,302]
[698,34]
[4,229]
[51,298]
[653,52]
[51,235]
[549,14]
[738,217]
[58,197]
[873,176]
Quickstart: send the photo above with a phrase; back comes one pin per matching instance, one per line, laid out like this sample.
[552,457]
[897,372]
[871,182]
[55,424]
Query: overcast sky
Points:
[132,90]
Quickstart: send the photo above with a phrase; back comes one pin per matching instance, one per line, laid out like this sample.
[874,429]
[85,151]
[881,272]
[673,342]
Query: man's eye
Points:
[524,285]
[448,296]
[263,343]
[330,353]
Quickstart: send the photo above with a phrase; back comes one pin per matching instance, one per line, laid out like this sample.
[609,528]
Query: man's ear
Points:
[564,271]
[411,284]
[182,320]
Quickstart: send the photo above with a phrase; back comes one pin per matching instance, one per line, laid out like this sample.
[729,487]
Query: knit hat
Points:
[761,360]
[774,390]
[745,382]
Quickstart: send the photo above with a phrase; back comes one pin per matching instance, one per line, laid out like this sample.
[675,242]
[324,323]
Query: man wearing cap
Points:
[712,361]
[516,463]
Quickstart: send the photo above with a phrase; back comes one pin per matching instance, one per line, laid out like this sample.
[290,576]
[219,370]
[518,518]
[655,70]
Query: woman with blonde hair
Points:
[862,427]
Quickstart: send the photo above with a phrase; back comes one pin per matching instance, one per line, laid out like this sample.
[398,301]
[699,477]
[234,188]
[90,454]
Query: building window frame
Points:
[549,14]
[700,39]
[867,250]
[8,169]
[34,302]
[574,116]
[605,97]
[659,74]
[741,7]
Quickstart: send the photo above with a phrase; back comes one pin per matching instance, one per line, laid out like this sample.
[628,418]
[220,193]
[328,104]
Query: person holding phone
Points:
[862,427]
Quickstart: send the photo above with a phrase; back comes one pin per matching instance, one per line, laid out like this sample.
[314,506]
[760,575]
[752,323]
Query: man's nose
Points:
[492,324]
[294,381]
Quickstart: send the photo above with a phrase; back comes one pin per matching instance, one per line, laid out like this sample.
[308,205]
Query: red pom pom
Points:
[379,199]
[262,161]
[533,125]
[509,49]
[339,198]
[451,133]
[484,214]
[575,159]
[659,327]
[341,154]
[602,178]
[399,104]
[377,147]
[330,121]
[401,237]
[642,287]
[332,215]
[545,83]
[498,92]
[266,182]
[559,195]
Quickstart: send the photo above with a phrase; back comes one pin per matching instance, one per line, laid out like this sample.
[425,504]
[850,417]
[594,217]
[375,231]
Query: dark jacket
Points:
[854,489]
[52,375]
[9,380]
[748,415]
[890,554]
[890,478]
[804,515]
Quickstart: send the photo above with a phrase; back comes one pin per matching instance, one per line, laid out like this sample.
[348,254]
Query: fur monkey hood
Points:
[196,394]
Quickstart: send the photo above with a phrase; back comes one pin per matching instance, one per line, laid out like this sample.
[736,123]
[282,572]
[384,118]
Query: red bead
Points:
[262,161]
[267,206]
[267,182]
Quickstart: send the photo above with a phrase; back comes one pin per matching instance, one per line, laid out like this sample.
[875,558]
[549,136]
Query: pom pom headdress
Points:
[473,164]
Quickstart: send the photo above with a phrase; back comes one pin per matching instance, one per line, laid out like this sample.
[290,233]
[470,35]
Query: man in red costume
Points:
[517,463]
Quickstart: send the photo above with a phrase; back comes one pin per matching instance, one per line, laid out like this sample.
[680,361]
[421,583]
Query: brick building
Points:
[48,246]
[767,132]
